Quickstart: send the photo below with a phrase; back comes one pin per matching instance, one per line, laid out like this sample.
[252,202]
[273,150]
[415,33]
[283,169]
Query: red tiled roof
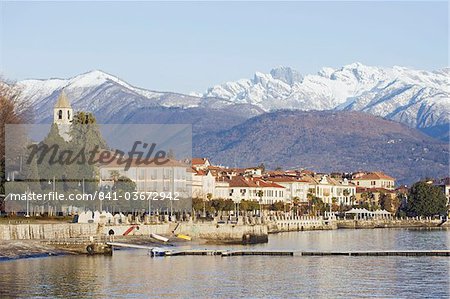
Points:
[374,176]
[286,179]
[240,181]
[198,161]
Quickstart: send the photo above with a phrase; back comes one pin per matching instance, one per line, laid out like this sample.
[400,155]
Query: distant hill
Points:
[328,141]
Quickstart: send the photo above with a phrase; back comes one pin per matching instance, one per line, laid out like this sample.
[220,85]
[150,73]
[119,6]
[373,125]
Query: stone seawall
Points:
[228,233]
[391,223]
[64,231]
[298,223]
[48,231]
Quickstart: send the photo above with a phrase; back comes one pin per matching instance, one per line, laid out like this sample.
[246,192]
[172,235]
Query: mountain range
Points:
[420,99]
[396,99]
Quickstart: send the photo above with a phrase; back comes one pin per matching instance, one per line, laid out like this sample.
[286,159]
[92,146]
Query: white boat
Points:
[159,238]
[157,252]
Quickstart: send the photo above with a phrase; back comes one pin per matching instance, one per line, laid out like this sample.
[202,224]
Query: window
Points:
[141,174]
[68,114]
[60,114]
[373,183]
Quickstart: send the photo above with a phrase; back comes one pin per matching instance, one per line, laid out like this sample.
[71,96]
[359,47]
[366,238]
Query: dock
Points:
[228,253]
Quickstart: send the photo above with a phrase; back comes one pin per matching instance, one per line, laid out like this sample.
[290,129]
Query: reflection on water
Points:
[132,273]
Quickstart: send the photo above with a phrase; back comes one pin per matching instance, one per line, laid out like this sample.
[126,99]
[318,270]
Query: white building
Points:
[172,176]
[375,180]
[328,189]
[203,183]
[294,187]
[244,188]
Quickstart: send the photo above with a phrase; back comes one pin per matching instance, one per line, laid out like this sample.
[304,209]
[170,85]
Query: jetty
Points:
[162,251]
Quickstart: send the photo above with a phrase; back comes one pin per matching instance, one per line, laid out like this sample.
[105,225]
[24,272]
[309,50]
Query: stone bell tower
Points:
[63,115]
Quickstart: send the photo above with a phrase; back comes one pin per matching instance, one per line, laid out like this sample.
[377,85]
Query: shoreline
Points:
[11,250]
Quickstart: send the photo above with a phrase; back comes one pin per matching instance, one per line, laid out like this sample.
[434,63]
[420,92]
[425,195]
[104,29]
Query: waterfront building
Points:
[222,188]
[172,176]
[295,188]
[203,183]
[200,163]
[256,189]
[374,180]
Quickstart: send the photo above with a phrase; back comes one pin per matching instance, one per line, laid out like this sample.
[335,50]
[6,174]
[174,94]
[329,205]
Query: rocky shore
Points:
[14,249]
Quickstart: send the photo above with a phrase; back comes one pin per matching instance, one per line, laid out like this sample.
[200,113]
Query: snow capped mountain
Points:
[416,98]
[108,97]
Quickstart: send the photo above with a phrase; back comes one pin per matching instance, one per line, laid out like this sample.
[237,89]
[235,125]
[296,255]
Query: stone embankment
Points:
[210,231]
[298,223]
[414,222]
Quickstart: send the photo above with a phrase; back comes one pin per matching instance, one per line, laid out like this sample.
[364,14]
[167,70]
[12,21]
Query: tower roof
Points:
[63,101]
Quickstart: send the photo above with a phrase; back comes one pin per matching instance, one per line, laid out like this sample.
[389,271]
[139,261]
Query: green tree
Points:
[426,199]
[228,205]
[47,170]
[277,206]
[197,204]
[122,186]
[296,205]
[388,202]
[317,205]
[248,205]
[85,136]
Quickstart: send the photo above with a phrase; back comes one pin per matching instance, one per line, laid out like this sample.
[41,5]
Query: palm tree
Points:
[260,194]
[296,203]
[115,175]
[346,193]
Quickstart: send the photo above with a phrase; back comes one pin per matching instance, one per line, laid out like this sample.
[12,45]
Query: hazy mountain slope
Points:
[115,101]
[328,141]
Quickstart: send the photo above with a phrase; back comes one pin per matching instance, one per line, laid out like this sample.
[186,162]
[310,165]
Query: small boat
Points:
[159,238]
[184,237]
[157,252]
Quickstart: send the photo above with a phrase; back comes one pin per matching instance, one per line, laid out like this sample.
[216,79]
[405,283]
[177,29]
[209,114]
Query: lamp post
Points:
[28,204]
[53,183]
[81,184]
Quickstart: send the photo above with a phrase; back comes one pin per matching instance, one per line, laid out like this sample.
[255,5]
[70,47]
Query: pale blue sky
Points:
[191,46]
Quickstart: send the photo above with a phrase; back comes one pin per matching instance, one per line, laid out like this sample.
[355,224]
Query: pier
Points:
[227,253]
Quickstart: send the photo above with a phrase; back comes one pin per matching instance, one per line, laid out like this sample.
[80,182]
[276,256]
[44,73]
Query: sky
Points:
[190,46]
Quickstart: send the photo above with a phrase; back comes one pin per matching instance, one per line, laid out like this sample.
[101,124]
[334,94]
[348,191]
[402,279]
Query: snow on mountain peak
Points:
[286,74]
[398,93]
[92,78]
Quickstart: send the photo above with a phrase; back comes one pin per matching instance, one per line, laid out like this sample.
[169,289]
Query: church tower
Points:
[62,112]
[63,115]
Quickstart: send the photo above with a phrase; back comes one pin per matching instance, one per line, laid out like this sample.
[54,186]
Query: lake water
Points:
[133,274]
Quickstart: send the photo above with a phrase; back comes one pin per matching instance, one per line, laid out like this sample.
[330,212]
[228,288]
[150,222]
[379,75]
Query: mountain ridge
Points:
[396,93]
[417,98]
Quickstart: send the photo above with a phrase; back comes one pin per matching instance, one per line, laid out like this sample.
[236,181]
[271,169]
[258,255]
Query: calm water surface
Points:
[133,274]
